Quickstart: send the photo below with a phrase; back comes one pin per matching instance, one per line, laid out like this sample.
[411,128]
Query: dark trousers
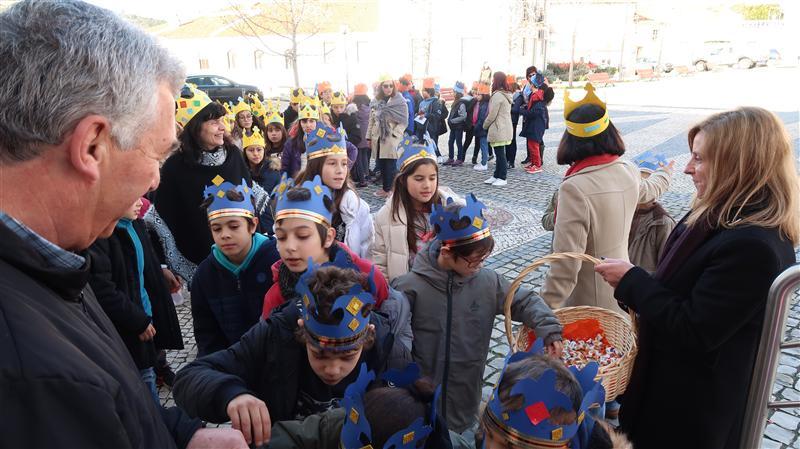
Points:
[362,164]
[500,168]
[436,143]
[511,150]
[455,137]
[388,168]
[468,136]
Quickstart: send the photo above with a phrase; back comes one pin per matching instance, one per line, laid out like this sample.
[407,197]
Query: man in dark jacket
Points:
[66,378]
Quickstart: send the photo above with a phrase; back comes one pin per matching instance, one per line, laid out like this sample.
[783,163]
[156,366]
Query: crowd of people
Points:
[319,324]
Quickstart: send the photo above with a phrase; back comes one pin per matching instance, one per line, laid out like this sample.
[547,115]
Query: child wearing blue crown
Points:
[296,363]
[454,302]
[327,158]
[229,285]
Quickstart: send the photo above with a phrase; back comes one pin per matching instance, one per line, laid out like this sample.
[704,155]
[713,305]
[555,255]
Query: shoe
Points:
[380,193]
[480,167]
[526,161]
[533,170]
[510,166]
[490,180]
[499,182]
[474,161]
[440,159]
[362,184]
[448,162]
[458,163]
[491,156]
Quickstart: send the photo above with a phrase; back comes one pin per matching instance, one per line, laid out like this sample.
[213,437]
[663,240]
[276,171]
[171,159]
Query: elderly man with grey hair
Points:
[86,115]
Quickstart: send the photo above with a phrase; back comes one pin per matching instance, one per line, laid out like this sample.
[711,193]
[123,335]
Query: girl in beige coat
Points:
[402,225]
[388,119]
[596,203]
[499,128]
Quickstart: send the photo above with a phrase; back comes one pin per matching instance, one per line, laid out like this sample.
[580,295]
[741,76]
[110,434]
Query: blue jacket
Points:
[412,112]
[227,300]
[534,120]
[483,111]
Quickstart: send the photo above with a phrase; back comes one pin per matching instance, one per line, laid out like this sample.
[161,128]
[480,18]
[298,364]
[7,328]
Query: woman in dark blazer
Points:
[701,313]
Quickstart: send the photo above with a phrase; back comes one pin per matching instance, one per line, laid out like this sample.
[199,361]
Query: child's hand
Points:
[250,415]
[173,283]
[148,333]
[555,349]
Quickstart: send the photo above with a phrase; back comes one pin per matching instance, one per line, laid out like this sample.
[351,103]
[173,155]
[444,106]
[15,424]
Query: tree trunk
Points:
[294,62]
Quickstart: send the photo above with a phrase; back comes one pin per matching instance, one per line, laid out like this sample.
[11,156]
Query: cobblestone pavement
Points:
[516,210]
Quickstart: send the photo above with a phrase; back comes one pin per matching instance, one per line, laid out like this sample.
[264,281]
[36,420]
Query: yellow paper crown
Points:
[275,117]
[585,129]
[296,95]
[309,109]
[241,106]
[190,101]
[385,77]
[256,138]
[338,98]
[256,106]
[325,109]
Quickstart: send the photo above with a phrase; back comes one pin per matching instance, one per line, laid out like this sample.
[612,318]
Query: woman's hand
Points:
[612,270]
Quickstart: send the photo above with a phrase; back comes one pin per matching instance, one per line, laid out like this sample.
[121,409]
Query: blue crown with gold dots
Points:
[414,150]
[311,209]
[324,141]
[357,432]
[348,334]
[531,424]
[478,228]
[223,205]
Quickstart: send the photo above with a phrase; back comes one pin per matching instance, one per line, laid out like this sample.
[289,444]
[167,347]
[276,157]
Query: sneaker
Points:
[440,159]
[448,162]
[480,167]
[510,166]
[490,180]
[474,161]
[380,193]
[533,169]
[499,182]
[458,163]
[491,156]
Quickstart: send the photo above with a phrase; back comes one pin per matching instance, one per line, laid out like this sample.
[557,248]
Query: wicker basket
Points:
[619,330]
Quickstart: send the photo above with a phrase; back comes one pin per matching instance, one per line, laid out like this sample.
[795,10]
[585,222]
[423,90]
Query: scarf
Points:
[590,161]
[680,245]
[393,110]
[257,241]
[127,225]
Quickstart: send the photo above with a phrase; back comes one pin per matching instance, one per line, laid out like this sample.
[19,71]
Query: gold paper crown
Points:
[241,106]
[296,95]
[256,138]
[585,129]
[275,117]
[257,107]
[190,101]
[309,109]
[325,109]
[338,98]
[385,77]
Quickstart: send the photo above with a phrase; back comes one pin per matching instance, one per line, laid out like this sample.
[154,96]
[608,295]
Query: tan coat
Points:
[388,146]
[498,119]
[389,250]
[594,213]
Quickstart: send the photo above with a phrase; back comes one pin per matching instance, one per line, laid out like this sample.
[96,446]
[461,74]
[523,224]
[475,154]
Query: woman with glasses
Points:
[387,122]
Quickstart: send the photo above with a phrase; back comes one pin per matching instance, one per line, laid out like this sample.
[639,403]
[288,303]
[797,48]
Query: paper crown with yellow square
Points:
[531,424]
[414,150]
[442,221]
[240,106]
[228,199]
[309,109]
[585,129]
[296,95]
[357,431]
[324,141]
[190,101]
[275,117]
[351,309]
[312,209]
[254,138]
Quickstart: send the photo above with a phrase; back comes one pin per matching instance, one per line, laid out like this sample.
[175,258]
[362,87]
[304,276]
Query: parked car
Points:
[726,53]
[221,88]
[652,64]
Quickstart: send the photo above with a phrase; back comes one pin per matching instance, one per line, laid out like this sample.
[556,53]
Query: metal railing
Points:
[769,351]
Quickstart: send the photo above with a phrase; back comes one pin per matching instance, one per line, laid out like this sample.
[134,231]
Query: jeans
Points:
[436,144]
[388,169]
[468,135]
[455,137]
[362,162]
[511,150]
[500,167]
[148,376]
[484,145]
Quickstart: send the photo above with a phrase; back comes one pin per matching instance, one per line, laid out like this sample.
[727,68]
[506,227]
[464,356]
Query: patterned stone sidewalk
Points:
[515,213]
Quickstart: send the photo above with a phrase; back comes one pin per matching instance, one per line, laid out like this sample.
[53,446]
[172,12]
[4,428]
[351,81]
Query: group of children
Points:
[292,327]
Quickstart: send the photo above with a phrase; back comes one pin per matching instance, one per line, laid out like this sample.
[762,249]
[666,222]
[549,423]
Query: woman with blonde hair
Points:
[701,313]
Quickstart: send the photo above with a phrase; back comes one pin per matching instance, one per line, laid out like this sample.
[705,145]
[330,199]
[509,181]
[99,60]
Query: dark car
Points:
[221,88]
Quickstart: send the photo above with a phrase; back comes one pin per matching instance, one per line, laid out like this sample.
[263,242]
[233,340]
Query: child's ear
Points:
[330,237]
[253,226]
[300,323]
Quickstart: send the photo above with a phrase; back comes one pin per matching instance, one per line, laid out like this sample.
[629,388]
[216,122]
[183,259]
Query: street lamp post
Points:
[346,30]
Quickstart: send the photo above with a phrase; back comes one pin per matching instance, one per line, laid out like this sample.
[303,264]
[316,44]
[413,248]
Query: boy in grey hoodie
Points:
[454,302]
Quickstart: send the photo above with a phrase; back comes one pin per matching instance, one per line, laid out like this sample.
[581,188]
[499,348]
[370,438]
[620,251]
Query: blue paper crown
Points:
[312,209]
[459,88]
[414,150]
[650,162]
[348,333]
[357,432]
[324,141]
[530,423]
[538,80]
[222,206]
[478,228]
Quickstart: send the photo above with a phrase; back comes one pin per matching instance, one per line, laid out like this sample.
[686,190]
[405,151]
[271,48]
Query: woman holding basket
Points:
[701,313]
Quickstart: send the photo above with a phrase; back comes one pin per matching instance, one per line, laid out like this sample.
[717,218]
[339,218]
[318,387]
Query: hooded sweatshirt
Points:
[448,308]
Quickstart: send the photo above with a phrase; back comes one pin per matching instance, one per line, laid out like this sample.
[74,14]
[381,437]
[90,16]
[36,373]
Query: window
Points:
[219,81]
[362,49]
[328,49]
[258,60]
[203,63]
[655,35]
[231,59]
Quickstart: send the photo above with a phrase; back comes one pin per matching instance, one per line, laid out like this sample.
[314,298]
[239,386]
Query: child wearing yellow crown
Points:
[290,115]
[293,156]
[245,122]
[454,303]
[264,169]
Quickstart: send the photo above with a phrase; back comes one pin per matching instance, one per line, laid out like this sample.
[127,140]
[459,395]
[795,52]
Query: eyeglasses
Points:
[388,86]
[245,116]
[474,263]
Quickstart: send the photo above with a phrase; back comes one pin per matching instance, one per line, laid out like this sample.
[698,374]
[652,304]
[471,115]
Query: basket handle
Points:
[518,281]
